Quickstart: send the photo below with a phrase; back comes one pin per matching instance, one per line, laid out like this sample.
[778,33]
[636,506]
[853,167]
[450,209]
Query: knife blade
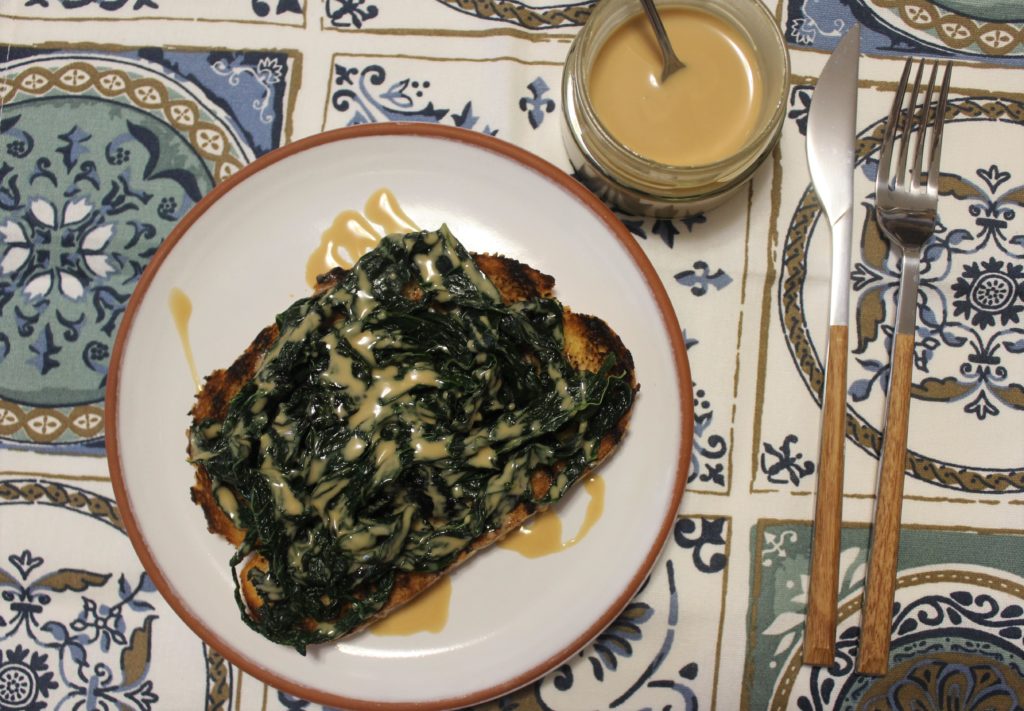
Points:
[831,135]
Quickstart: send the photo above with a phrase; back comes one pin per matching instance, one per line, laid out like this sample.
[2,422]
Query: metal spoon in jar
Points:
[670,62]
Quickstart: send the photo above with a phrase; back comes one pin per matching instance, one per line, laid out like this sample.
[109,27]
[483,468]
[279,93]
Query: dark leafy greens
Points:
[389,427]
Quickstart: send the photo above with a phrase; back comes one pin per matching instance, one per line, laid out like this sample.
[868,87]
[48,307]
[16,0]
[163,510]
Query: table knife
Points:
[831,135]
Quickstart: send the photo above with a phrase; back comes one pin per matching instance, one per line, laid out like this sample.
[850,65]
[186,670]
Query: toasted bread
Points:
[588,342]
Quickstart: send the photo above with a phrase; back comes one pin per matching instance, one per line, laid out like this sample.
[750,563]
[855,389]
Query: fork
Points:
[905,208]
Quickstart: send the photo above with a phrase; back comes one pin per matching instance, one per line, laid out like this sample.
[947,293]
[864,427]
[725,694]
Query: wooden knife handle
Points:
[876,622]
[820,626]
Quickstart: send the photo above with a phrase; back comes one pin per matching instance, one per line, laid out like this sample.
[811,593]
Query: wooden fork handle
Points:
[876,622]
[820,625]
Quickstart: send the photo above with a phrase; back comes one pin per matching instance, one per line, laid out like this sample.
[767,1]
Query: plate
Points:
[240,256]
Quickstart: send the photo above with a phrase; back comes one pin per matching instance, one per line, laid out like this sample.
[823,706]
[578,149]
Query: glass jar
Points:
[640,185]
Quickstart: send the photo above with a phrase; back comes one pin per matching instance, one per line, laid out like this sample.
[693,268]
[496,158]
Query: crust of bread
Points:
[588,340]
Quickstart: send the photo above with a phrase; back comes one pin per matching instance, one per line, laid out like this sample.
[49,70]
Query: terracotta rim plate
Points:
[240,256]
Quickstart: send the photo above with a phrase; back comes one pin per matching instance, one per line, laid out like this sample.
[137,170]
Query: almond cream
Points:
[702,113]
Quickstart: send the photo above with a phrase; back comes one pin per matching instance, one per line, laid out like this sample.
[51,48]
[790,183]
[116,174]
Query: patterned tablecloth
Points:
[116,116]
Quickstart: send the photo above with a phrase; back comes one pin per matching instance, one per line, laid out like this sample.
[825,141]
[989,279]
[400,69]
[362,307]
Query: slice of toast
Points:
[588,343]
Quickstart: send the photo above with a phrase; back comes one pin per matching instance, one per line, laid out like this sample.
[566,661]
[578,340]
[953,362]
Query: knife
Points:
[831,132]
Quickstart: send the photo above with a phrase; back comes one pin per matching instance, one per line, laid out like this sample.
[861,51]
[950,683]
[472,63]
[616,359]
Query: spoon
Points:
[670,62]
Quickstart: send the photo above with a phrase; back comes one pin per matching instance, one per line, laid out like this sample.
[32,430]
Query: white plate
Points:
[241,255]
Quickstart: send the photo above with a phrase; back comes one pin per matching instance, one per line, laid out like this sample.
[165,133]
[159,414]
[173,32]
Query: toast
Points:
[593,356]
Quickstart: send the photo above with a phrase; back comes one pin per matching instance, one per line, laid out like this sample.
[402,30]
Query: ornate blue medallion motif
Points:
[100,155]
[88,632]
[958,624]
[83,653]
[969,344]
[950,650]
[89,211]
[528,15]
[984,324]
[615,644]
[986,293]
[945,681]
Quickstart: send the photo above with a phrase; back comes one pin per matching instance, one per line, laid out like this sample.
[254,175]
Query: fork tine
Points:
[889,137]
[908,125]
[915,169]
[940,118]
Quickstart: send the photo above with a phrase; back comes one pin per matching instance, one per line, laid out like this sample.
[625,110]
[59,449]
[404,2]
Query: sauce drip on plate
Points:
[352,235]
[382,208]
[543,535]
[181,311]
[426,613]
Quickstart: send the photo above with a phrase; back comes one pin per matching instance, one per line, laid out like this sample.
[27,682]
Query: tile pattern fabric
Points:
[989,31]
[104,151]
[116,116]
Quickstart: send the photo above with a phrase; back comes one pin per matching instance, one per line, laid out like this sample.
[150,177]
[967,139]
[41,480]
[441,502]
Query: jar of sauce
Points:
[681,146]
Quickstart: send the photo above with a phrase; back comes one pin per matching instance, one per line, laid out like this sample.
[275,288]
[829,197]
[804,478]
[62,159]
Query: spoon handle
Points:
[672,62]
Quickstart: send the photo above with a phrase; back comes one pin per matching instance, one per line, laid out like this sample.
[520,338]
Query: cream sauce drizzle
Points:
[387,387]
[349,237]
[353,449]
[227,502]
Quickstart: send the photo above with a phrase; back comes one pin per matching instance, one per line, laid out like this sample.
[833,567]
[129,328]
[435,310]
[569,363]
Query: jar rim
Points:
[681,200]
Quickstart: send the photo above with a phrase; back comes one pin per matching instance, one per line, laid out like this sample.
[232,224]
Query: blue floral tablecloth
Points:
[116,116]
